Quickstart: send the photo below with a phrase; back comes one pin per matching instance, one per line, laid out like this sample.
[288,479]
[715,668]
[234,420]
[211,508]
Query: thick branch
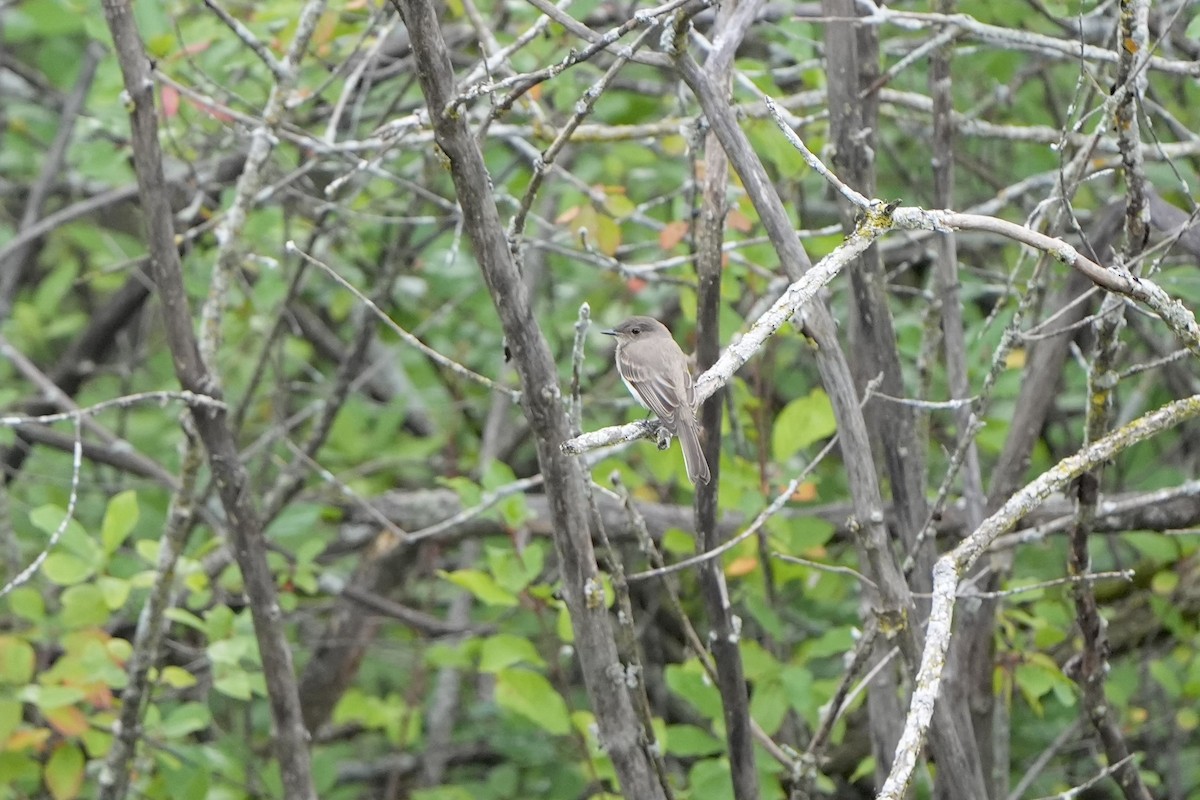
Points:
[291,740]
[733,20]
[541,399]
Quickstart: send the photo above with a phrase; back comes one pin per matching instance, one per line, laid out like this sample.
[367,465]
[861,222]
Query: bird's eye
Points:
[636,331]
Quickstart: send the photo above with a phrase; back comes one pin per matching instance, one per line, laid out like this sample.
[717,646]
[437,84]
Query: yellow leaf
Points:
[741,566]
[806,492]
[608,235]
[64,772]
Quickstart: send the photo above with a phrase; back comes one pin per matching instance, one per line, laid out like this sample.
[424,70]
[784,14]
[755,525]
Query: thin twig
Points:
[1076,791]
[1124,574]
[780,500]
[192,399]
[582,323]
[27,573]
[837,569]
[445,361]
[247,37]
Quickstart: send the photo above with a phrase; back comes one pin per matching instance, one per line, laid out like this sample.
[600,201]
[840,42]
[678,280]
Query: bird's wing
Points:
[658,382]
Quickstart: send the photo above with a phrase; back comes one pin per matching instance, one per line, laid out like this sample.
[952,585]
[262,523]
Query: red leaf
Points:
[170,101]
[672,234]
[213,112]
[740,222]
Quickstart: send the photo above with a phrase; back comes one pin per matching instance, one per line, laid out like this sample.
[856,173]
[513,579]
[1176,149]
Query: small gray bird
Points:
[655,372]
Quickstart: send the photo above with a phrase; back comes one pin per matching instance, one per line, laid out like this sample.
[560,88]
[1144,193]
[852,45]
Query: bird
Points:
[655,371]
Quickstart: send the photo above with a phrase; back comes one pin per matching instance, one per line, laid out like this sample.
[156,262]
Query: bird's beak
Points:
[609,333]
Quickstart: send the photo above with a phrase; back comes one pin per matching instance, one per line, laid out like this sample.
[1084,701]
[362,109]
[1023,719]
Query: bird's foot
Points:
[663,434]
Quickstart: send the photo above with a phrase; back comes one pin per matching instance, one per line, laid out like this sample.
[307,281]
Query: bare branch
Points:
[291,739]
[953,565]
[72,498]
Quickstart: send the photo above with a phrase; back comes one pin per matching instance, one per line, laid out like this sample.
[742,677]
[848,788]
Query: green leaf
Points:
[1124,680]
[10,717]
[119,649]
[834,641]
[769,705]
[231,651]
[73,538]
[308,549]
[185,617]
[766,615]
[803,421]
[1193,29]
[98,664]
[482,585]
[17,661]
[504,650]
[1166,678]
[441,654]
[235,684]
[66,569]
[1034,681]
[685,741]
[21,769]
[865,768]
[1156,548]
[354,706]
[219,622]
[83,606]
[147,550]
[1164,582]
[496,475]
[295,525]
[185,781]
[154,24]
[28,604]
[711,779]
[512,570]
[49,698]
[796,536]
[759,663]
[679,543]
[177,677]
[64,772]
[562,625]
[468,491]
[120,517]
[186,719]
[52,290]
[305,581]
[689,682]
[504,781]
[514,510]
[531,695]
[444,793]
[798,682]
[114,590]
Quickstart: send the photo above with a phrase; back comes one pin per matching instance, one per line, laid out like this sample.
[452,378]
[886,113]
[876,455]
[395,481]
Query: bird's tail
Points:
[693,456]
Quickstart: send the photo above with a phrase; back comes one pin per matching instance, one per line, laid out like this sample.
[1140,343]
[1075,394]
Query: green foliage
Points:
[529,694]
[483,586]
[801,422]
